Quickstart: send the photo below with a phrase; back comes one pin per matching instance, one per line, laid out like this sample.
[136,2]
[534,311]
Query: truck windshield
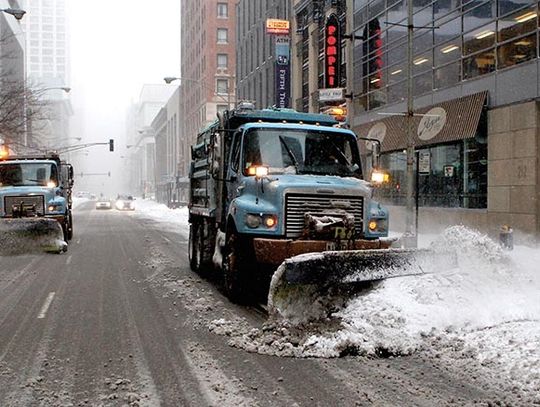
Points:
[27,174]
[302,152]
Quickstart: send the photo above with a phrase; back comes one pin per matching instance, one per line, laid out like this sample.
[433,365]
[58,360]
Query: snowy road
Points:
[121,320]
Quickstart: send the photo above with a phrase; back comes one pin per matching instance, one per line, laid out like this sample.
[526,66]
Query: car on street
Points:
[103,203]
[125,203]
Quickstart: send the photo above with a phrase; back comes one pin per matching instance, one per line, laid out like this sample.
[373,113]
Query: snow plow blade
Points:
[335,267]
[31,236]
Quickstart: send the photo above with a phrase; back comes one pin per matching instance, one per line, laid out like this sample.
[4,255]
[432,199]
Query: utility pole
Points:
[410,237]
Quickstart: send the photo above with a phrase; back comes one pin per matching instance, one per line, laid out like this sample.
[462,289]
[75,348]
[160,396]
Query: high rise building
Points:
[12,124]
[48,65]
[207,68]
[256,51]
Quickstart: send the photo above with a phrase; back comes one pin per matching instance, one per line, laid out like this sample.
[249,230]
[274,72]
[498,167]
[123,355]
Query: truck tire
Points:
[70,227]
[66,228]
[238,269]
[194,251]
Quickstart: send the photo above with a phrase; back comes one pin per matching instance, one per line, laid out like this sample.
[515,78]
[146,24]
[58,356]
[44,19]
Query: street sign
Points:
[331,95]
[424,162]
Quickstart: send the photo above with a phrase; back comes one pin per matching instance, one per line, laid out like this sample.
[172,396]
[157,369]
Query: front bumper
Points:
[275,251]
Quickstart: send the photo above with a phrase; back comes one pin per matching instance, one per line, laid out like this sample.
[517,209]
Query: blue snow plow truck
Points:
[35,204]
[277,187]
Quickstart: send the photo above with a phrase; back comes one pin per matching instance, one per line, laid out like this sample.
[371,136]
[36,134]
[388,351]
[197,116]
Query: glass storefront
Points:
[450,175]
[470,38]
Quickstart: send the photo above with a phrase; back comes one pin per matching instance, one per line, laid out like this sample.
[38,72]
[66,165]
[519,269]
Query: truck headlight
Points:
[253,221]
[270,221]
[54,207]
[377,225]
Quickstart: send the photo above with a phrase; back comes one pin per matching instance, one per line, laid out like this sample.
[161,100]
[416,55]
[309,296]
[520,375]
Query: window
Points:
[457,176]
[222,61]
[222,10]
[222,86]
[222,35]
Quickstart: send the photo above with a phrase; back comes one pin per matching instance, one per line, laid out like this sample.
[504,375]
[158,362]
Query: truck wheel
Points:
[70,227]
[194,251]
[65,227]
[237,273]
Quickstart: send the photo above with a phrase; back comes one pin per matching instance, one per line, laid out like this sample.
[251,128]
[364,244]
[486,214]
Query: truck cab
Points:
[266,185]
[37,186]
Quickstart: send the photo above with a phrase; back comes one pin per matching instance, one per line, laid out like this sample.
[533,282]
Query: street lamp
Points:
[15,12]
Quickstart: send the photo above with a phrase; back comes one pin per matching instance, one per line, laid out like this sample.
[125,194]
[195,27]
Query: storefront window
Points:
[452,175]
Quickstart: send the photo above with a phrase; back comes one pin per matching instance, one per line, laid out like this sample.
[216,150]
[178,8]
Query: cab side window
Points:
[235,152]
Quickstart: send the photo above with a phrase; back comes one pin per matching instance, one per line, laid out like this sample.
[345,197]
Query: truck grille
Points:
[296,205]
[28,202]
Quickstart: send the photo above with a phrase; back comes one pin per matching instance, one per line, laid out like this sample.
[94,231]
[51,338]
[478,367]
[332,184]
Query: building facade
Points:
[208,66]
[12,77]
[48,66]
[141,137]
[256,50]
[309,43]
[475,79]
[170,188]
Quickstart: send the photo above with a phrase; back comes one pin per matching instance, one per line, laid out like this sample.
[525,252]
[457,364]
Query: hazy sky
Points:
[116,47]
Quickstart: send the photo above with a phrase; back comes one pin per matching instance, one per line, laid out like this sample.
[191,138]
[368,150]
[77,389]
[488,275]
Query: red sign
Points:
[332,52]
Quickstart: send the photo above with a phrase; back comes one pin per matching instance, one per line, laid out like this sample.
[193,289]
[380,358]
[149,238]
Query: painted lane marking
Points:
[167,240]
[46,305]
[79,241]
[68,260]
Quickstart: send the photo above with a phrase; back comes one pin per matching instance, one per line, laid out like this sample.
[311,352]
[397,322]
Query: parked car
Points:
[125,203]
[103,203]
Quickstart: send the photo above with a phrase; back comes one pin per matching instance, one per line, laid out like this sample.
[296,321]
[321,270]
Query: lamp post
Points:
[15,12]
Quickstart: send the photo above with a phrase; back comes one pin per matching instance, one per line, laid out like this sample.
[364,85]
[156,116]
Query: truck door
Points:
[233,174]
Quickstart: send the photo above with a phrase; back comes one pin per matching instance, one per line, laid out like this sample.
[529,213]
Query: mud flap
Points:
[31,236]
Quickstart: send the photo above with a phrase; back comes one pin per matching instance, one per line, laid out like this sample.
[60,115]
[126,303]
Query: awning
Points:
[448,121]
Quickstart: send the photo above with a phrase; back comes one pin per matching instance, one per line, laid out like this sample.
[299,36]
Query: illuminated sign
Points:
[332,52]
[275,26]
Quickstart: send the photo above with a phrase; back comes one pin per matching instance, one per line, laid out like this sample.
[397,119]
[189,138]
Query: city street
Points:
[120,319]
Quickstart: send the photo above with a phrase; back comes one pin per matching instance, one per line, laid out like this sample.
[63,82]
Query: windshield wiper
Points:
[291,154]
[352,167]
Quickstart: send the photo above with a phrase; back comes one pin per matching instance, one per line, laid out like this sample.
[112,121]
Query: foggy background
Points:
[116,47]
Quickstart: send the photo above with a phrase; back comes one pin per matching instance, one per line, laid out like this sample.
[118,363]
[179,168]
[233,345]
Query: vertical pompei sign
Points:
[332,52]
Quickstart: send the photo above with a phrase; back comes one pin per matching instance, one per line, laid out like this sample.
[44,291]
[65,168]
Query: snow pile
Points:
[484,312]
[176,220]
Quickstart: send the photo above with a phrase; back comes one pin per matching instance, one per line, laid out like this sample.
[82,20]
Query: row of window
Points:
[443,59]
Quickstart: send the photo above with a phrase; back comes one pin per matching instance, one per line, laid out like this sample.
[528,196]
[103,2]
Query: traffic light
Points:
[373,53]
[111,145]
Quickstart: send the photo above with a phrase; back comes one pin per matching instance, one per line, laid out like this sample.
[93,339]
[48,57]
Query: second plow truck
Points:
[35,204]
[276,187]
